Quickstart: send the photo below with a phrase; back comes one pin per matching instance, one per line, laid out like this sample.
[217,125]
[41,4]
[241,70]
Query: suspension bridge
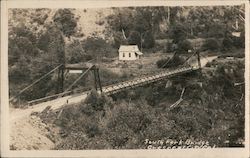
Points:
[67,96]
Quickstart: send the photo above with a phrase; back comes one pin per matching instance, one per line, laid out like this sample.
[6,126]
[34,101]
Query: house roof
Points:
[139,53]
[130,48]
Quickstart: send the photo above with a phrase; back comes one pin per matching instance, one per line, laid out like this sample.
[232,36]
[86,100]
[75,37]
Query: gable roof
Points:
[129,48]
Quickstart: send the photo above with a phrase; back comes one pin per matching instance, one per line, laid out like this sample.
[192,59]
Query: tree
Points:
[210,44]
[97,47]
[65,21]
[75,52]
[143,20]
[178,32]
[119,39]
[149,40]
[134,38]
[184,46]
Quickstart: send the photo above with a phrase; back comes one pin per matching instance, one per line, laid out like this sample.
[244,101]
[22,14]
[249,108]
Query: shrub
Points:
[65,19]
[184,46]
[227,43]
[169,47]
[239,42]
[160,63]
[124,122]
[210,44]
[91,128]
[216,30]
[178,32]
[168,63]
[96,101]
[75,52]
[97,47]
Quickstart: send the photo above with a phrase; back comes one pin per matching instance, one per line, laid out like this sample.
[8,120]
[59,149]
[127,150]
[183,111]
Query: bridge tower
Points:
[85,70]
[60,79]
[198,57]
[97,78]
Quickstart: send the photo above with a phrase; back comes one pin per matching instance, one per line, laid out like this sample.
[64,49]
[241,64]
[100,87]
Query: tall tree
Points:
[134,38]
[65,21]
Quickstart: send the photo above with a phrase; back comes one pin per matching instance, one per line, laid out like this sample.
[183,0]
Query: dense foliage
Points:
[211,44]
[175,61]
[177,23]
[34,53]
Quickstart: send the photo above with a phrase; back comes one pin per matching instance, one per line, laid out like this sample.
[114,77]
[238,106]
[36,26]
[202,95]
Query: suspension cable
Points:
[35,82]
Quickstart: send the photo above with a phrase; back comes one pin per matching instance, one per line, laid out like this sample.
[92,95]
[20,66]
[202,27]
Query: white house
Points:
[129,52]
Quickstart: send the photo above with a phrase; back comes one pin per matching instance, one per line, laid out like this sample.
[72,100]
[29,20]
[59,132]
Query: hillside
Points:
[90,21]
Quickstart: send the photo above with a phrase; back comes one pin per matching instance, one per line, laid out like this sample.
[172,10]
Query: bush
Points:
[160,63]
[239,42]
[178,32]
[227,43]
[184,46]
[168,63]
[91,128]
[216,30]
[210,44]
[95,102]
[66,21]
[124,122]
[97,47]
[75,52]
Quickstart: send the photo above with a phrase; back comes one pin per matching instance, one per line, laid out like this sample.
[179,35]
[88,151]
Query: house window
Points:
[129,55]
[123,54]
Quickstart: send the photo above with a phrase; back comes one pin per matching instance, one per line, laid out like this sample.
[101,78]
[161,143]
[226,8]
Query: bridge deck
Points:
[145,80]
[112,89]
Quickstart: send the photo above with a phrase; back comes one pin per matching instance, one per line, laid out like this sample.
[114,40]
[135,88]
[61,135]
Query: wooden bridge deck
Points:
[112,89]
[145,80]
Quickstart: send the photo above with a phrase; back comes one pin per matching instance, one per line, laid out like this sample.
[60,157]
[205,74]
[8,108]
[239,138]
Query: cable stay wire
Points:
[35,82]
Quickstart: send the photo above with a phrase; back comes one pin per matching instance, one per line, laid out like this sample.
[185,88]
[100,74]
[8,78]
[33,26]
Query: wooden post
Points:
[18,100]
[99,80]
[60,79]
[94,72]
[199,61]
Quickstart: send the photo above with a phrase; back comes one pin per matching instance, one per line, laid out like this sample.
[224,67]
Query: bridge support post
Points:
[199,65]
[198,57]
[60,79]
[95,78]
[99,80]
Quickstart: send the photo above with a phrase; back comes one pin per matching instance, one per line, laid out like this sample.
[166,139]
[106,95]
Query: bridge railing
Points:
[144,80]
